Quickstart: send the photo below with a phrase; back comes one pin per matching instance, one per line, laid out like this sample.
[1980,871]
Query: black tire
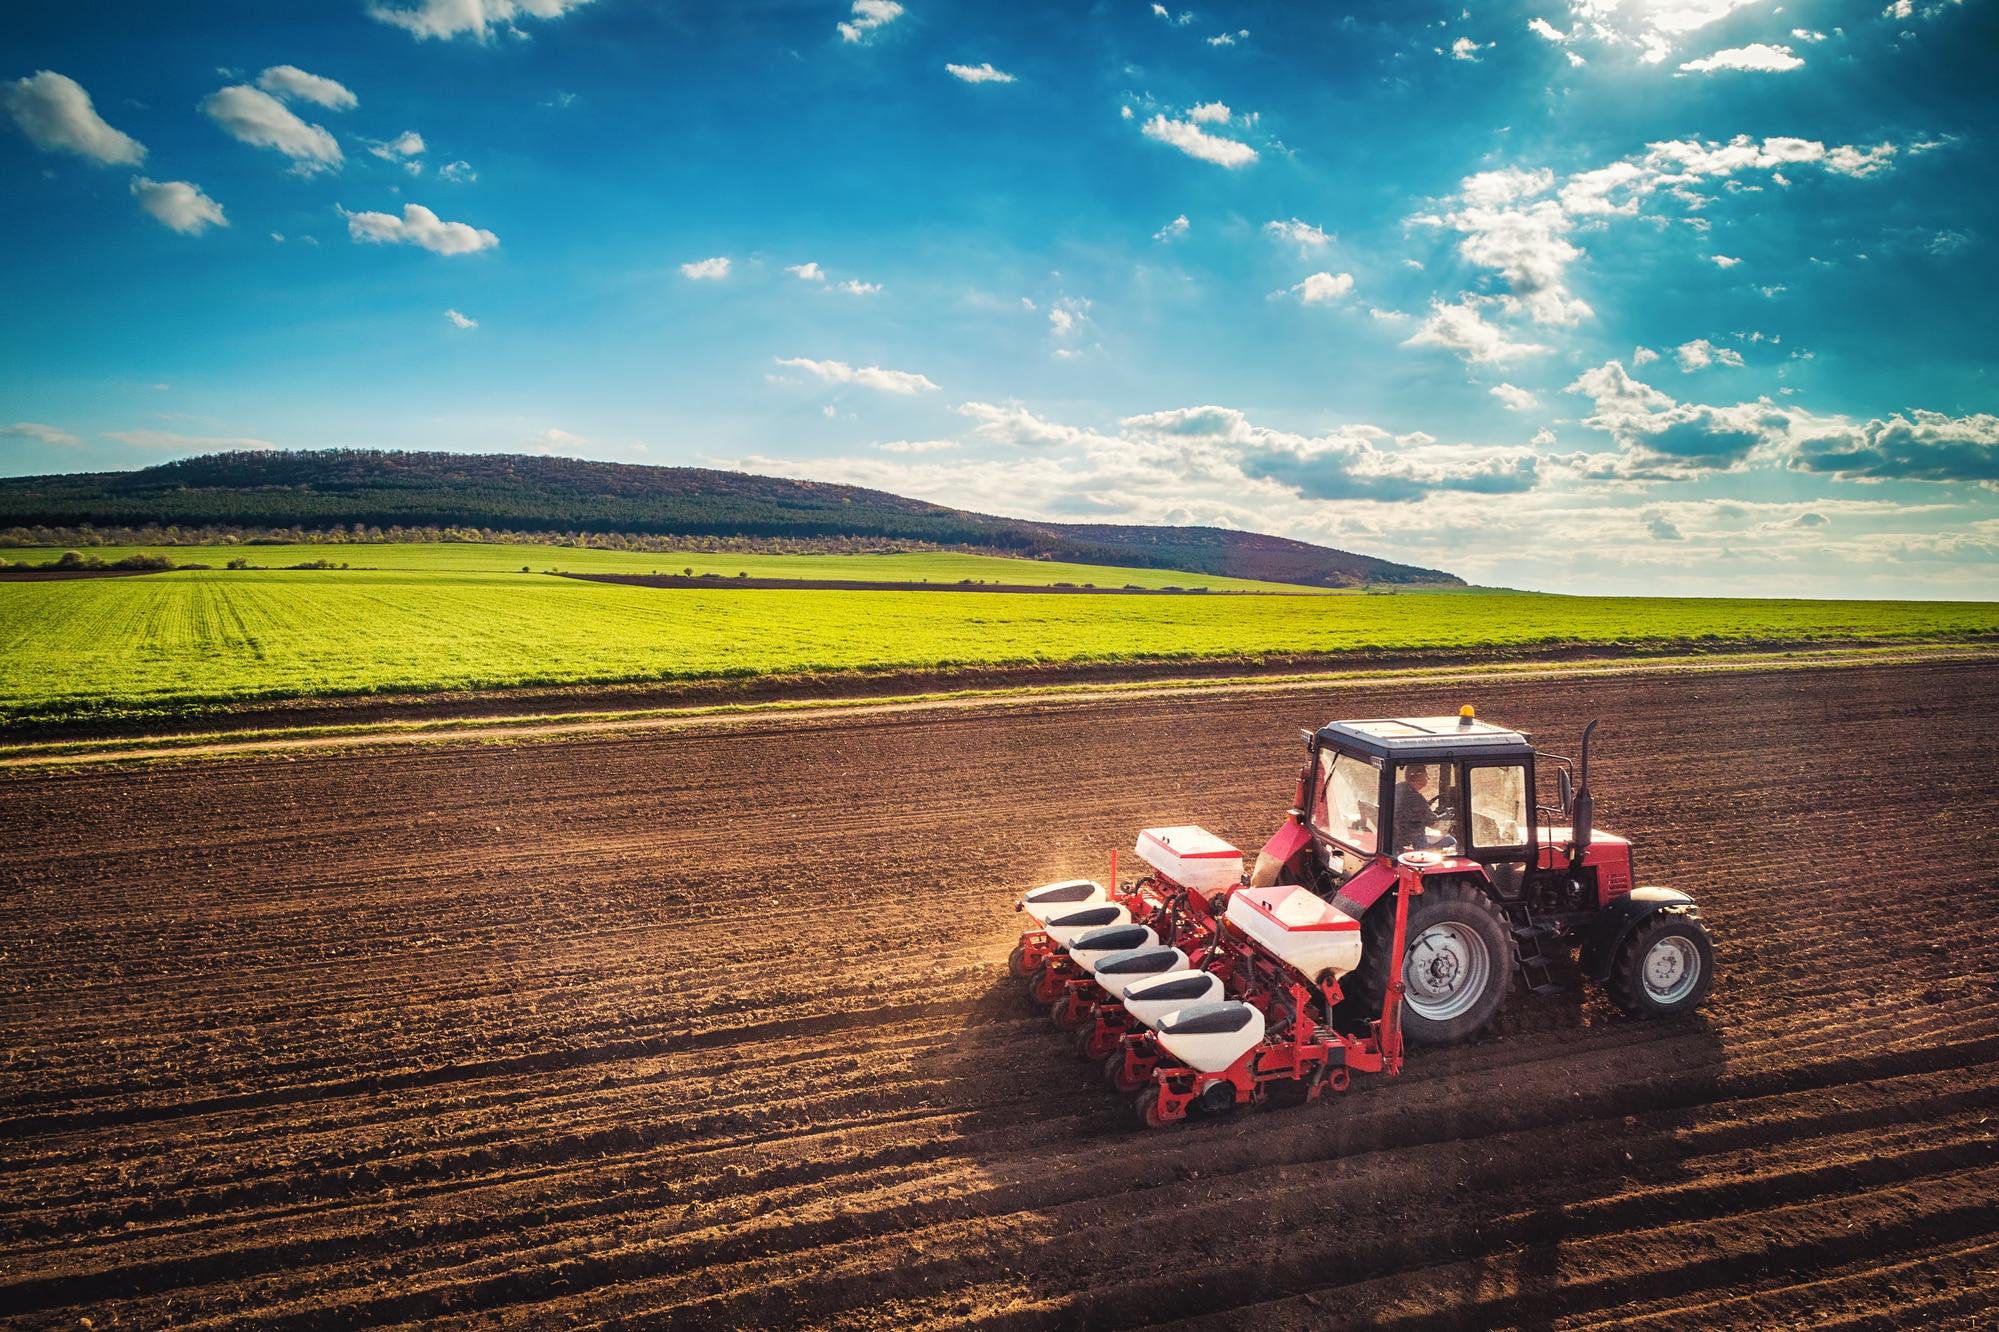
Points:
[1016,963]
[1452,903]
[1115,1076]
[1681,939]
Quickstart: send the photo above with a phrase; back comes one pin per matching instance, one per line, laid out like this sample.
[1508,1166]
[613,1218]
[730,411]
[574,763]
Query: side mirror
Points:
[1566,790]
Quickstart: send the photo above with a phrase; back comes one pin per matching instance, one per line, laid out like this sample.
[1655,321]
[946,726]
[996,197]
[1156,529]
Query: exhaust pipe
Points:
[1584,806]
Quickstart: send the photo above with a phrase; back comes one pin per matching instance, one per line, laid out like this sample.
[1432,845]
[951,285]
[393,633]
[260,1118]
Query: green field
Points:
[179,641]
[470,557]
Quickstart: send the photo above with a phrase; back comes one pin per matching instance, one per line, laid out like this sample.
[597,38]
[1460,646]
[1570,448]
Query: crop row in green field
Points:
[166,642]
[470,557]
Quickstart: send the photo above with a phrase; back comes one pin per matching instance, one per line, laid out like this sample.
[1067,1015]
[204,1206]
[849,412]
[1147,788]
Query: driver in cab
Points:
[1415,814]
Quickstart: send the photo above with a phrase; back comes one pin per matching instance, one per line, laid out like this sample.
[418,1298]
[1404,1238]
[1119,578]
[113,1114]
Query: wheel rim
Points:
[1446,971]
[1671,969]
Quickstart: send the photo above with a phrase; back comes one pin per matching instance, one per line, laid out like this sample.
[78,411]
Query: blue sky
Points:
[1690,295]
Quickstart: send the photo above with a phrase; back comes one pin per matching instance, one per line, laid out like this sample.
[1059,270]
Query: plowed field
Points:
[710,1029]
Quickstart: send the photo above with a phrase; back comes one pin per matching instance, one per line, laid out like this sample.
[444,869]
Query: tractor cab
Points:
[1462,788]
[1454,785]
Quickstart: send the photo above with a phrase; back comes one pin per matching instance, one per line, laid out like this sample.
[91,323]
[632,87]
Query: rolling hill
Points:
[315,490]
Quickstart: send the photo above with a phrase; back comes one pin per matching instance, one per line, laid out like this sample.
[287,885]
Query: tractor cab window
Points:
[1426,807]
[1498,806]
[1347,802]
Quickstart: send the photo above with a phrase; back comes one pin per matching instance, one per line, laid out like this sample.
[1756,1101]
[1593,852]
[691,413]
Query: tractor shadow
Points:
[1477,1182]
[1593,1130]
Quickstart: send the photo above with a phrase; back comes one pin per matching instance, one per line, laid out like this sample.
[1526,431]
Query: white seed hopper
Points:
[1299,928]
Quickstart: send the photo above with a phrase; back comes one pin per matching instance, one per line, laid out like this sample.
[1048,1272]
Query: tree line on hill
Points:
[319,492]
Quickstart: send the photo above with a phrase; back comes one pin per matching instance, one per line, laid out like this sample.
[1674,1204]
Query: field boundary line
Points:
[502,729]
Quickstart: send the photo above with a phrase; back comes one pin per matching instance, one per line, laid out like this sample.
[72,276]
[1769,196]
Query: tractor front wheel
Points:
[1016,961]
[1457,964]
[1666,967]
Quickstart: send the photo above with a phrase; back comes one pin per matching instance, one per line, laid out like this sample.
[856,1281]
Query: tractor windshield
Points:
[1347,803]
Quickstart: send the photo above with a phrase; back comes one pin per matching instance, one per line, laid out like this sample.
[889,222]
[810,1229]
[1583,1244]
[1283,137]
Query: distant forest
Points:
[377,495]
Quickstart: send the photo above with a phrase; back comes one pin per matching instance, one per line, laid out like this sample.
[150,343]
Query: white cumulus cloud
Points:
[459,320]
[55,113]
[261,120]
[1757,57]
[178,205]
[1015,425]
[1196,142]
[806,272]
[1464,48]
[855,287]
[1506,185]
[708,270]
[983,72]
[866,376]
[1700,353]
[289,81]
[480,19]
[1655,27]
[1173,230]
[1528,246]
[1301,234]
[1323,288]
[1209,113]
[1462,330]
[868,15]
[1514,399]
[1521,223]
[420,227]
[407,144]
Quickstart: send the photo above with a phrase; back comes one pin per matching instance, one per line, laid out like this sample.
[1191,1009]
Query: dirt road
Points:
[710,1029]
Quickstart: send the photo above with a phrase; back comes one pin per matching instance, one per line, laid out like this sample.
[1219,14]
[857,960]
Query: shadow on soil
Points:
[1451,1196]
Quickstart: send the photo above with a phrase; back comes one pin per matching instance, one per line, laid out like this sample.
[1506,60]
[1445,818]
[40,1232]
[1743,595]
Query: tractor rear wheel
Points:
[1665,967]
[1457,963]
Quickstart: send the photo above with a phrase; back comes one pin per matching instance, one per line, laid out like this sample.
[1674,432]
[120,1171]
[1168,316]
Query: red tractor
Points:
[1414,877]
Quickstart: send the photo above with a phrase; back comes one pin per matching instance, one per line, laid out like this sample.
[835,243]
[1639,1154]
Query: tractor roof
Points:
[1426,738]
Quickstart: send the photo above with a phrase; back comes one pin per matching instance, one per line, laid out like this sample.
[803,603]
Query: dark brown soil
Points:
[710,1029]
